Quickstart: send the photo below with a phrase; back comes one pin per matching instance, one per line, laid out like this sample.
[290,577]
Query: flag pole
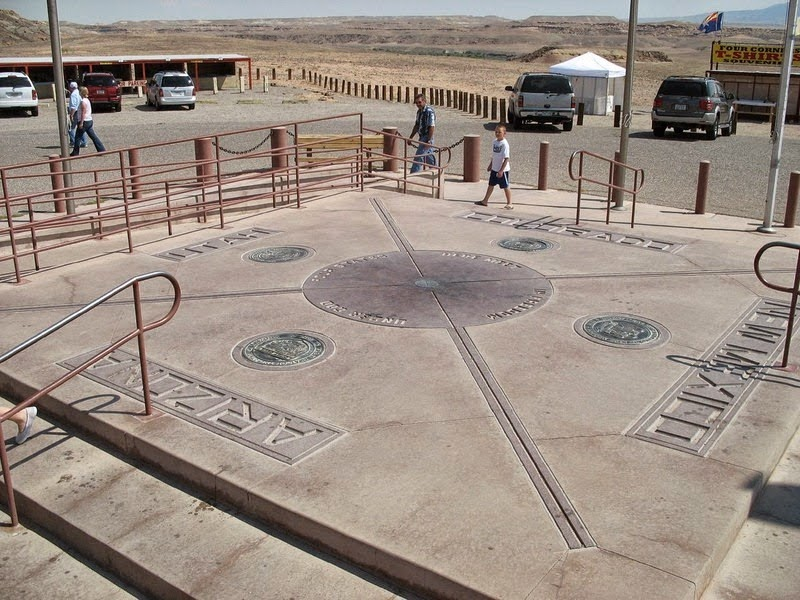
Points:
[780,118]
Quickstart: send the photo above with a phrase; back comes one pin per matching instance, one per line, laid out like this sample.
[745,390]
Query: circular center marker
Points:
[432,288]
[525,244]
[282,350]
[428,284]
[621,330]
[278,254]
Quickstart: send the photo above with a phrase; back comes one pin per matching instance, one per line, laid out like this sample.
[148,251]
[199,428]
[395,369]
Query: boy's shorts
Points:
[503,180]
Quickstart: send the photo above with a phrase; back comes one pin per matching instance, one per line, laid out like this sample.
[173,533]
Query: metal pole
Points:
[61,102]
[626,104]
[780,118]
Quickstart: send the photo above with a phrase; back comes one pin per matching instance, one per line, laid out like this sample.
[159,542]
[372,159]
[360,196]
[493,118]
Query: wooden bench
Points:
[333,147]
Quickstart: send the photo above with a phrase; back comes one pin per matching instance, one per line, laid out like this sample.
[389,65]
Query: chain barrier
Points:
[239,152]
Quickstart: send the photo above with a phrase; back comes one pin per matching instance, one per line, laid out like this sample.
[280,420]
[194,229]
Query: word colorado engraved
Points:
[561,227]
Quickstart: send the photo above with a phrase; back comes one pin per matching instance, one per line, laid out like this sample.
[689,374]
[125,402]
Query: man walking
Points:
[72,109]
[425,125]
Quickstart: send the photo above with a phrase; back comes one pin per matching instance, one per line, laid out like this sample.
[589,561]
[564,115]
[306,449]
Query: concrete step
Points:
[157,538]
[36,568]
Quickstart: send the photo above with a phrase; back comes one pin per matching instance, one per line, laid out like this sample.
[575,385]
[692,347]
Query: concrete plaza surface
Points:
[503,405]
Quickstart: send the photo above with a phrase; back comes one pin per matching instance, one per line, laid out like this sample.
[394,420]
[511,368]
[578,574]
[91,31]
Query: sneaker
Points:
[83,145]
[30,415]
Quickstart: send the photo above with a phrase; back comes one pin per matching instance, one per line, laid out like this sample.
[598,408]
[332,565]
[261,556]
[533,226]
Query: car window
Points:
[15,81]
[682,88]
[176,81]
[546,85]
[100,80]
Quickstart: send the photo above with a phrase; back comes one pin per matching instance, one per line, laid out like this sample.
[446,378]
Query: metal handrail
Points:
[152,192]
[610,185]
[138,332]
[794,290]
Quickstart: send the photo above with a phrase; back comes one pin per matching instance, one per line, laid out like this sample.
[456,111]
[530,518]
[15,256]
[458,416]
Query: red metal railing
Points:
[138,332]
[609,184]
[126,190]
[794,290]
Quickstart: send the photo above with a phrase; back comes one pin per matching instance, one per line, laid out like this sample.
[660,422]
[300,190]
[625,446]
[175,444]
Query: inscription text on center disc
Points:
[430,288]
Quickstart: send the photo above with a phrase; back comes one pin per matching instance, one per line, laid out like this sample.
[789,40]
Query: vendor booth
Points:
[596,82]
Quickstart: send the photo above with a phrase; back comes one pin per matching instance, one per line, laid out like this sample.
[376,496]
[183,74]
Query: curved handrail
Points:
[610,185]
[138,332]
[794,290]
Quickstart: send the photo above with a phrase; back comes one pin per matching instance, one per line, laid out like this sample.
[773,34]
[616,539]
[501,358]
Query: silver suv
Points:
[541,98]
[170,88]
[17,92]
[690,103]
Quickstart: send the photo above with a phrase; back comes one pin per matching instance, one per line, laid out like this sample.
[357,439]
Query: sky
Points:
[107,11]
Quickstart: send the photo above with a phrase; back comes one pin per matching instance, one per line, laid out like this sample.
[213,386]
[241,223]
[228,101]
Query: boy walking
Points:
[499,168]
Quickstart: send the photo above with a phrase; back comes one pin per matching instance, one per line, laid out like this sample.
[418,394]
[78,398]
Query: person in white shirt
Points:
[72,109]
[499,168]
[86,124]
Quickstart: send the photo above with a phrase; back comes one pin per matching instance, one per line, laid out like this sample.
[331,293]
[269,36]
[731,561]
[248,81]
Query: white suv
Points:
[541,98]
[17,92]
[170,88]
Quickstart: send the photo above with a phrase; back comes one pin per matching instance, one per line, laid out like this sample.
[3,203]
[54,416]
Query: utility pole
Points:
[61,103]
[619,174]
[780,117]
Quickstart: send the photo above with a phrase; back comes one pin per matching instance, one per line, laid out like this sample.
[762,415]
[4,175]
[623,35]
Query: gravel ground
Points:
[739,165]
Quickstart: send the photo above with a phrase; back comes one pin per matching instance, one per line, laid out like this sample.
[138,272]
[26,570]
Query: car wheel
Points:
[711,130]
[509,117]
[118,107]
[35,111]
[659,130]
[191,107]
[678,130]
[725,131]
[157,104]
[734,123]
[568,125]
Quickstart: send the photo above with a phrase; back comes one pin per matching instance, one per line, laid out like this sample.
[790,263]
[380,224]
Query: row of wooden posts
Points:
[487,107]
[474,104]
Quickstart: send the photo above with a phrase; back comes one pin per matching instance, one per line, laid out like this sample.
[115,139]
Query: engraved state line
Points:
[278,433]
[558,226]
[695,412]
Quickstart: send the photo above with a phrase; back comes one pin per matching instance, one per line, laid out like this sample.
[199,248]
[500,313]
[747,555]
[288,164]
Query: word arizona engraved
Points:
[252,422]
[562,227]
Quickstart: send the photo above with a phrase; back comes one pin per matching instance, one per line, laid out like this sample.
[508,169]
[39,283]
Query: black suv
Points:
[103,89]
[690,103]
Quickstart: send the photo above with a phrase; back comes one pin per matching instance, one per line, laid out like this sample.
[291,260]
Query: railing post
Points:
[581,110]
[390,148]
[617,112]
[472,156]
[544,159]
[203,154]
[133,162]
[702,188]
[57,181]
[618,181]
[279,138]
[791,199]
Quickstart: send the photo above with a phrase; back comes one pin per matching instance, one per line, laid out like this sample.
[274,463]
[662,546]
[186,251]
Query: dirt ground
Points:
[471,54]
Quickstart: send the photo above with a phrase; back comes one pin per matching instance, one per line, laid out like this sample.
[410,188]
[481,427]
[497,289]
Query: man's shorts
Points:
[503,180]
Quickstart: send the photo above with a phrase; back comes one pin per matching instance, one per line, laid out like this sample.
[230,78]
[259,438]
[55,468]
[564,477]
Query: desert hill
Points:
[479,54]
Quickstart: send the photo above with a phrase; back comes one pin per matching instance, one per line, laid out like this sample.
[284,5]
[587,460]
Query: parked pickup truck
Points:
[541,98]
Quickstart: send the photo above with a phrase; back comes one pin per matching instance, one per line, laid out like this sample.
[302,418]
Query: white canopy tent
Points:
[596,81]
